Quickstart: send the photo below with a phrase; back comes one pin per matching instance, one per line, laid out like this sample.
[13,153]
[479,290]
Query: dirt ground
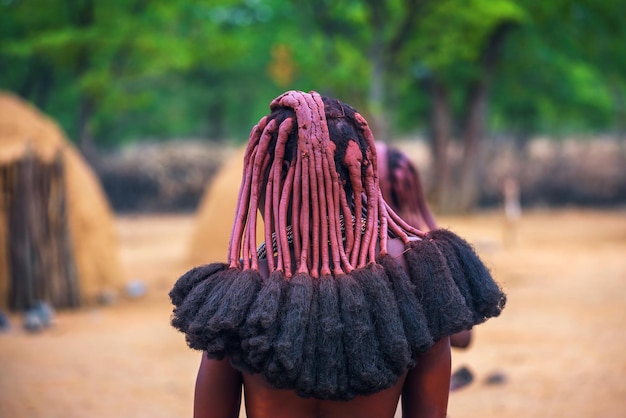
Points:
[559,344]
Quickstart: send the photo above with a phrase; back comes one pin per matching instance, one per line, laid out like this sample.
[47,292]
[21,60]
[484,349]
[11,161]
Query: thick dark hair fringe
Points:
[335,337]
[481,292]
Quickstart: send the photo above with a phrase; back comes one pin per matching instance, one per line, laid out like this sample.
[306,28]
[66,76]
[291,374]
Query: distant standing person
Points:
[512,209]
[344,306]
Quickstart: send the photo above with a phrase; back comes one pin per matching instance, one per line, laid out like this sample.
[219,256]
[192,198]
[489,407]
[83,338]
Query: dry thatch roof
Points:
[216,213]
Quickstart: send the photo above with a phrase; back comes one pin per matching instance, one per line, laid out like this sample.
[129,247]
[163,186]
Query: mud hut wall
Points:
[38,263]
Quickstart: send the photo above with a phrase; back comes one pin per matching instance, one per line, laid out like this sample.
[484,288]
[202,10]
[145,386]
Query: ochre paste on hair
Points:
[336,316]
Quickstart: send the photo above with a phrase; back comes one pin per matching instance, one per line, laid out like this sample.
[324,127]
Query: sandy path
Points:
[559,343]
[560,340]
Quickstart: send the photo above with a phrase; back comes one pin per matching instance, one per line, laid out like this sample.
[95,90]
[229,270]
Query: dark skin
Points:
[424,389]
[218,390]
[311,167]
[461,339]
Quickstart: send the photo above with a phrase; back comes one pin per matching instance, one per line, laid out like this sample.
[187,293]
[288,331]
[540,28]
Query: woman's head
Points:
[334,318]
[402,188]
[335,118]
[311,163]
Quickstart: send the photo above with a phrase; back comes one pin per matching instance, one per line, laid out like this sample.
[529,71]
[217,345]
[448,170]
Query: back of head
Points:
[337,316]
[402,188]
[309,166]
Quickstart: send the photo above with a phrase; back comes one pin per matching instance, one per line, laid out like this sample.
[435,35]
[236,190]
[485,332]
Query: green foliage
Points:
[161,69]
[562,72]
[452,34]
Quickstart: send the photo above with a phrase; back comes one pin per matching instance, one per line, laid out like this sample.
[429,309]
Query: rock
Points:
[32,321]
[136,289]
[495,378]
[462,377]
[5,324]
[45,312]
[107,297]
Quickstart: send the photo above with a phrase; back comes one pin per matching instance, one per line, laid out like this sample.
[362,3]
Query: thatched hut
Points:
[216,213]
[57,234]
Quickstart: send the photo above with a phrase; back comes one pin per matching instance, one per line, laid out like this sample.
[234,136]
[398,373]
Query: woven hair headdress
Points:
[336,315]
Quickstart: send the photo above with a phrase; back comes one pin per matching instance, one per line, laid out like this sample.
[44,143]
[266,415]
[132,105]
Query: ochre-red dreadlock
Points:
[310,166]
[336,315]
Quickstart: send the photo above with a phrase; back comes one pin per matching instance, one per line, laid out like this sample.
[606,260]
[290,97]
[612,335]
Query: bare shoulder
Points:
[396,248]
[264,401]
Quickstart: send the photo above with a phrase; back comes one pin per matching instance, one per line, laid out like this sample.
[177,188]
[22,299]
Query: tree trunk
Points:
[476,117]
[82,16]
[620,108]
[215,118]
[38,81]
[440,124]
[468,192]
[380,125]
[85,132]
[379,119]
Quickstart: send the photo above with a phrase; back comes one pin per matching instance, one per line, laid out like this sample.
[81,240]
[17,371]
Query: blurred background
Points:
[479,78]
[130,117]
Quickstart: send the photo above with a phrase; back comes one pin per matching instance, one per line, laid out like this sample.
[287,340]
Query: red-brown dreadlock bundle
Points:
[334,315]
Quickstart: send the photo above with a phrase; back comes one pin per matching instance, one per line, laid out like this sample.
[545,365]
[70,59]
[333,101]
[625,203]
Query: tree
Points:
[563,72]
[120,56]
[458,46]
[95,48]
[456,68]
